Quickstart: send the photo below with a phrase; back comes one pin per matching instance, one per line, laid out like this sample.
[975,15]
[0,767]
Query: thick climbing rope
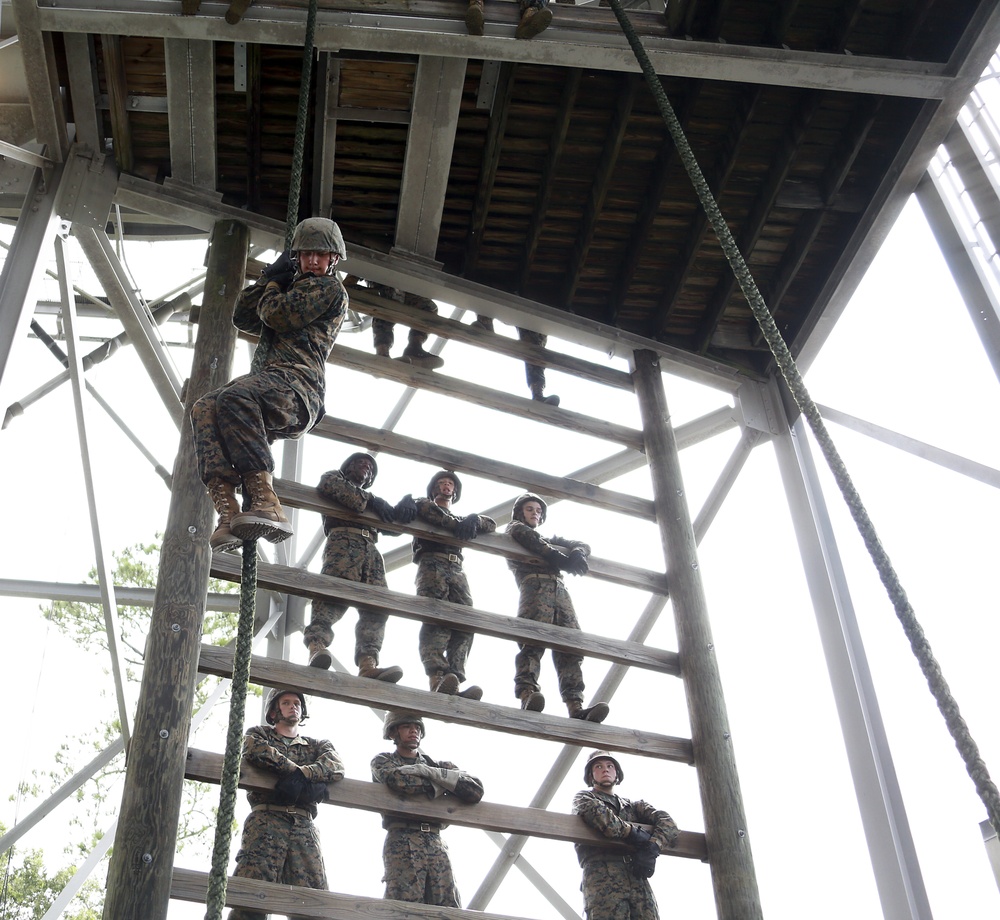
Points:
[966,745]
[218,880]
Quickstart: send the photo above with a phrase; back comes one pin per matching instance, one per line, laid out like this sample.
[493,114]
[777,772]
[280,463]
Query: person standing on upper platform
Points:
[296,307]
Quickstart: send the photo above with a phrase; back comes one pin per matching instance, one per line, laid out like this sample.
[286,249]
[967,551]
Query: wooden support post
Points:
[142,864]
[733,878]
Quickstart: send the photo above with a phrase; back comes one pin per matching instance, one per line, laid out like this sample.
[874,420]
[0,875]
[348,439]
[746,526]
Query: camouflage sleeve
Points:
[570,545]
[434,514]
[306,300]
[386,771]
[245,312]
[665,831]
[486,524]
[334,486]
[599,815]
[469,789]
[532,541]
[259,752]
[327,768]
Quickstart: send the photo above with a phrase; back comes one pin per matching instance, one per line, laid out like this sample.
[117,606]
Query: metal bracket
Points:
[754,402]
[89,189]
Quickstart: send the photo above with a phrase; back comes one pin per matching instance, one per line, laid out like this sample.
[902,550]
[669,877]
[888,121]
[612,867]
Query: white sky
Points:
[904,355]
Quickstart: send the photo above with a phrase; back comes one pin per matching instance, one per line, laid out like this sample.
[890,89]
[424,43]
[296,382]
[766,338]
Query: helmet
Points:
[445,474]
[399,717]
[272,701]
[318,234]
[371,476]
[522,500]
[601,755]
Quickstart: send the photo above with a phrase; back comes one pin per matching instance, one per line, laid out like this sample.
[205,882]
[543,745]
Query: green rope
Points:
[298,151]
[911,627]
[217,879]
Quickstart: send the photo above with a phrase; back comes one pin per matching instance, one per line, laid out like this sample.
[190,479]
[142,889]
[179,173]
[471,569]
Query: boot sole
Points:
[537,24]
[474,22]
[321,660]
[472,693]
[596,713]
[390,675]
[254,528]
[535,703]
[229,544]
[448,684]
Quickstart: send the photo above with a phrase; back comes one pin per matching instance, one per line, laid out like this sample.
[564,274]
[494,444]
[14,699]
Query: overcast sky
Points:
[904,355]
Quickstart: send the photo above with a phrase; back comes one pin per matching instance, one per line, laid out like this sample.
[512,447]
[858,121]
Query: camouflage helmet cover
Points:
[445,474]
[318,234]
[522,500]
[276,694]
[401,717]
[370,478]
[601,755]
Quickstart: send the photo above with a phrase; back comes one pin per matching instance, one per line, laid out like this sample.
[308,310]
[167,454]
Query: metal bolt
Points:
[176,627]
[725,736]
[680,492]
[711,645]
[741,833]
[164,734]
[694,565]
[192,529]
[147,858]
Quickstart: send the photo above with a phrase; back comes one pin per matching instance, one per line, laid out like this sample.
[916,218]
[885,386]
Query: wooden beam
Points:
[114,73]
[206,767]
[361,691]
[288,580]
[378,439]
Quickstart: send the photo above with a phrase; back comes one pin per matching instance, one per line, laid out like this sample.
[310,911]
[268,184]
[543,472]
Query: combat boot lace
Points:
[223,495]
[265,519]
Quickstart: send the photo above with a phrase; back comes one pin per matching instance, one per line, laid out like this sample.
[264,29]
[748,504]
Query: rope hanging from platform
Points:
[218,880]
[964,741]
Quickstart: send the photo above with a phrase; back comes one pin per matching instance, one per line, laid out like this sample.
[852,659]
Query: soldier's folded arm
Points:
[334,486]
[665,830]
[245,312]
[600,817]
[259,752]
[399,779]
[306,301]
[328,768]
[434,514]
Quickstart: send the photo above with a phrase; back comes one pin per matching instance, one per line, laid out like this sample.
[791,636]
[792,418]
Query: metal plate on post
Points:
[89,189]
[239,67]
[488,85]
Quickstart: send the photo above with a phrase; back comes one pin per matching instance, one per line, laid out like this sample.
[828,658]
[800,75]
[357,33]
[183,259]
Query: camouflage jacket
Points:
[264,748]
[433,513]
[386,770]
[613,816]
[336,487]
[551,553]
[300,326]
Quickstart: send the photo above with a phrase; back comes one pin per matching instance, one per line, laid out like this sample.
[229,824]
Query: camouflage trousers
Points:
[534,373]
[354,557]
[611,892]
[417,868]
[546,600]
[382,329]
[279,848]
[234,424]
[441,647]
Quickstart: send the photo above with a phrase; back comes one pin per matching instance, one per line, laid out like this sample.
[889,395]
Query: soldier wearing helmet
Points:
[616,885]
[351,553]
[280,843]
[296,308]
[544,598]
[383,330]
[417,867]
[444,650]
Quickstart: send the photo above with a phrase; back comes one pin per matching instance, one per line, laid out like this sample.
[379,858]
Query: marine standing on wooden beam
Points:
[297,307]
[544,599]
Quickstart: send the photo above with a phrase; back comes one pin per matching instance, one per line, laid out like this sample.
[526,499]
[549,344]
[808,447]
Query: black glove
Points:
[288,789]
[644,859]
[576,563]
[312,794]
[382,508]
[405,510]
[467,528]
[281,271]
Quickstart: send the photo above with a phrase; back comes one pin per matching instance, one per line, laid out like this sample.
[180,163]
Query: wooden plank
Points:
[206,767]
[378,439]
[335,685]
[286,579]
[367,301]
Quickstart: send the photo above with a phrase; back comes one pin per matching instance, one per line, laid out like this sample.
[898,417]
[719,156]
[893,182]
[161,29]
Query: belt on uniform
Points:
[360,530]
[451,557]
[610,859]
[556,575]
[410,826]
[284,810]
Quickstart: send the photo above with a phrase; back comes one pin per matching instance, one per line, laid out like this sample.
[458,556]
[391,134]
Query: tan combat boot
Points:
[532,700]
[265,519]
[474,20]
[472,692]
[319,655]
[419,357]
[534,19]
[368,667]
[596,713]
[442,682]
[223,495]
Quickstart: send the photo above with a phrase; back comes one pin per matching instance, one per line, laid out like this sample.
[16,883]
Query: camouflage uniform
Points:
[383,334]
[351,554]
[534,373]
[280,842]
[417,867]
[440,575]
[544,598]
[234,424]
[610,891]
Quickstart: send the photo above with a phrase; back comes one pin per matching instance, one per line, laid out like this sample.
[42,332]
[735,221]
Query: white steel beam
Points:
[883,815]
[82,91]
[191,104]
[91,594]
[437,98]
[437,29]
